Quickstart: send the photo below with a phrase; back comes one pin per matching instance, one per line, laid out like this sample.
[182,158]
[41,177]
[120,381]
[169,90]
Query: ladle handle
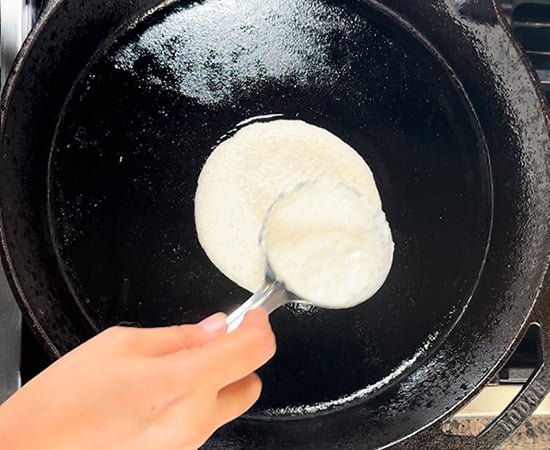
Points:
[270,296]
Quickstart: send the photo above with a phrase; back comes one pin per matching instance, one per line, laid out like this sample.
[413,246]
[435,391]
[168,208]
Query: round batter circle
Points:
[247,171]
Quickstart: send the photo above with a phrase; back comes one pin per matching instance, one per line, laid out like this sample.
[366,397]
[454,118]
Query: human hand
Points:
[142,389]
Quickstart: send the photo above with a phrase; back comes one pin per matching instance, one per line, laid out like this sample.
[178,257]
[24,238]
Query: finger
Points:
[183,427]
[237,398]
[230,357]
[209,414]
[161,341]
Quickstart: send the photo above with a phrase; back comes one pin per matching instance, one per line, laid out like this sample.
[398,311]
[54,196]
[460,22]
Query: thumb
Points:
[180,337]
[161,341]
[213,326]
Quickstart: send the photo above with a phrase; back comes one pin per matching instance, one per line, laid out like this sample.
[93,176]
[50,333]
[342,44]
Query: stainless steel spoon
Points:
[335,200]
[270,296]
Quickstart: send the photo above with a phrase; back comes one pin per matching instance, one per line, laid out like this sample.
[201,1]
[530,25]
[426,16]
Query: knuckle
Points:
[264,340]
[116,338]
[253,339]
[271,343]
[250,391]
[116,333]
[255,387]
[181,334]
[119,336]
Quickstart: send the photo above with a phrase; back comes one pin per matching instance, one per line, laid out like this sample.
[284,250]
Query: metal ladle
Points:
[270,296]
[273,292]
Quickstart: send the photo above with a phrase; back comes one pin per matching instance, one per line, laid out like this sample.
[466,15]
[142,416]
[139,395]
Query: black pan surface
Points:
[113,108]
[142,120]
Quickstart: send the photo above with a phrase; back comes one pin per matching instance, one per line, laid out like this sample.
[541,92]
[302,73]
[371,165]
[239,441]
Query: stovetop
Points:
[530,22]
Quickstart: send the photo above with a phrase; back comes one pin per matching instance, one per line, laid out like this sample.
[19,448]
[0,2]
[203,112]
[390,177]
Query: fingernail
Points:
[214,323]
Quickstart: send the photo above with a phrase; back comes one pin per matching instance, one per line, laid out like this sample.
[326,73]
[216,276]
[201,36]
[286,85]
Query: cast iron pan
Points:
[113,108]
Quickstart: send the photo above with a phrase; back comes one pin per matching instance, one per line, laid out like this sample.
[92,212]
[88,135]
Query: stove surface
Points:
[530,22]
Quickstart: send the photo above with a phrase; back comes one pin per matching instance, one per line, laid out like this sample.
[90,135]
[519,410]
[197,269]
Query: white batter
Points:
[246,172]
[328,244]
